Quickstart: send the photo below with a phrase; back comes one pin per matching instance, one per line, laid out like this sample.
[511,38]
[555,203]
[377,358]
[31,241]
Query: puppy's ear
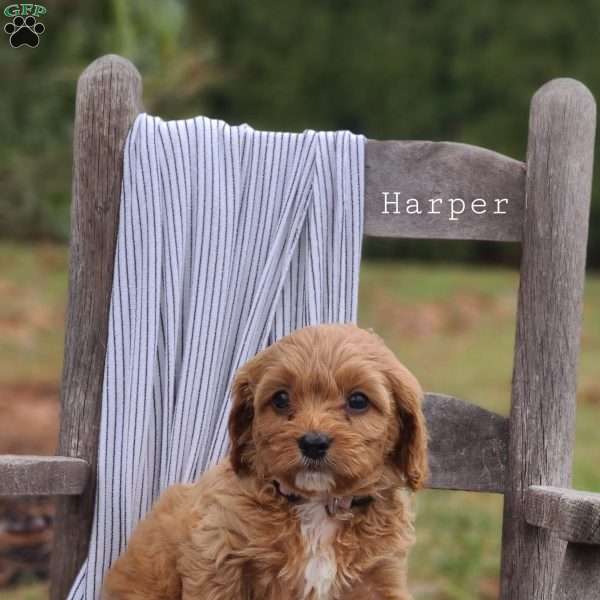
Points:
[241,417]
[410,452]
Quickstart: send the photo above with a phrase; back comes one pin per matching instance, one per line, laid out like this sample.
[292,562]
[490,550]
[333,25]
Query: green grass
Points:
[33,288]
[453,326]
[28,591]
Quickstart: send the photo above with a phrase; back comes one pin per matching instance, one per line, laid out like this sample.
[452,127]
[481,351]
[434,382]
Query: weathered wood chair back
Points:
[471,449]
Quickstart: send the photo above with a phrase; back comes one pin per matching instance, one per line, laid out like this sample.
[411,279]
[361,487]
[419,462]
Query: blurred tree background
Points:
[418,69]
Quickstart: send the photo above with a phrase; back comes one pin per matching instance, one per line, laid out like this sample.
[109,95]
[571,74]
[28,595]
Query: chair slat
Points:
[467,451]
[573,515]
[42,475]
[467,445]
[491,185]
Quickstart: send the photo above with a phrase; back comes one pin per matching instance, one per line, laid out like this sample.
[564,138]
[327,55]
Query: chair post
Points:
[108,100]
[541,429]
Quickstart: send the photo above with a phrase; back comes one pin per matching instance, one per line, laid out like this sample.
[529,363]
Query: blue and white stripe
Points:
[229,238]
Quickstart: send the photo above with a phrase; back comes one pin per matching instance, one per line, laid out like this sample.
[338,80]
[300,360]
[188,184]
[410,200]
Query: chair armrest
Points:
[574,516]
[42,475]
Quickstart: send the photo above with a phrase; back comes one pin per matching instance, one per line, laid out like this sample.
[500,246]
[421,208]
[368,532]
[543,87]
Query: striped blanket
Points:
[229,238]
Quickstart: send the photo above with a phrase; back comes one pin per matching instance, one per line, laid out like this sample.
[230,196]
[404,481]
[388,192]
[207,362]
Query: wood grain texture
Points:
[468,445]
[559,172]
[580,574]
[42,475]
[108,100]
[425,170]
[573,515]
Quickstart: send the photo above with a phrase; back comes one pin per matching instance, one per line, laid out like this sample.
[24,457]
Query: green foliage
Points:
[418,69]
[421,69]
[38,96]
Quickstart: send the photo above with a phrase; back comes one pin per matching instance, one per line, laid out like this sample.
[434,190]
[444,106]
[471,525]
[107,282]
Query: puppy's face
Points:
[326,410]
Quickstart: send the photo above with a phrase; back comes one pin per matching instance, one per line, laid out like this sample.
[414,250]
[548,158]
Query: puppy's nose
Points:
[314,444]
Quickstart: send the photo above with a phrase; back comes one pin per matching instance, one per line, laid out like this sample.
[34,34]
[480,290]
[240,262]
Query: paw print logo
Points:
[24,31]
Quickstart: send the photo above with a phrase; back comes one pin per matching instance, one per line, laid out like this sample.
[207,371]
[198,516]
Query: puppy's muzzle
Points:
[314,444]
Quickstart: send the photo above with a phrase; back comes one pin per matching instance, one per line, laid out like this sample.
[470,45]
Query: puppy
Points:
[327,437]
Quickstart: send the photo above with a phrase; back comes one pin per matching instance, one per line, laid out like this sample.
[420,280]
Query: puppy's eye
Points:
[280,401]
[357,402]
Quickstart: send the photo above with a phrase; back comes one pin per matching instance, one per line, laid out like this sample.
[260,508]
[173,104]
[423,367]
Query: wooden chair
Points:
[551,534]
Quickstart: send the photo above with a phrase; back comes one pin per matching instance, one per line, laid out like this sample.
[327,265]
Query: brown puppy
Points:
[326,435]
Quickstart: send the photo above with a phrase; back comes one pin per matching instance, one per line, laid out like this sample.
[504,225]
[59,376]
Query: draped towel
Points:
[229,238]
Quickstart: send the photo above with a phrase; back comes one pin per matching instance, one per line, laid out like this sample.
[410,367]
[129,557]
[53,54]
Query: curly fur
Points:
[232,536]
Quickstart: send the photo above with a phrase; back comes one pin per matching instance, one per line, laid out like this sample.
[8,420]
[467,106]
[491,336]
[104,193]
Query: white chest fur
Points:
[318,532]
